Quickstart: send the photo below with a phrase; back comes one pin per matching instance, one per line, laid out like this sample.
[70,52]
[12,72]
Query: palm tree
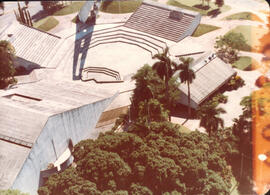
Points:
[186,75]
[209,116]
[165,68]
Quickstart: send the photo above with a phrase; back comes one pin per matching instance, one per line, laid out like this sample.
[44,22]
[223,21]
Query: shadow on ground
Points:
[82,43]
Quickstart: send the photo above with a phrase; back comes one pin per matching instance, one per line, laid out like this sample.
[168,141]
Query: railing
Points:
[102,70]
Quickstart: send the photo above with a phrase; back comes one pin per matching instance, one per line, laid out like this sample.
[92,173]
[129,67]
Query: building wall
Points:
[193,26]
[75,124]
[183,99]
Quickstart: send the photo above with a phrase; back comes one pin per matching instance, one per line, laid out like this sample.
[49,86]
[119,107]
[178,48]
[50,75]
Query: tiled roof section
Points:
[153,18]
[31,44]
[209,77]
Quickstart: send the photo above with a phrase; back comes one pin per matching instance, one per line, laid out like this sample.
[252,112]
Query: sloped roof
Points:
[154,18]
[24,112]
[210,76]
[31,44]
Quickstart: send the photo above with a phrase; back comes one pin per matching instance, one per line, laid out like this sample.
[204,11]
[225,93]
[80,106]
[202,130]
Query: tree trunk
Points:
[189,110]
[167,96]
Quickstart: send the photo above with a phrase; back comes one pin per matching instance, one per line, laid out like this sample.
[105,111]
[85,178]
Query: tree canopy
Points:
[7,55]
[228,46]
[153,159]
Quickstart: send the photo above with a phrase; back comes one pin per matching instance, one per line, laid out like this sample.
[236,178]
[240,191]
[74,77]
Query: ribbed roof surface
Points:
[153,18]
[31,44]
[209,77]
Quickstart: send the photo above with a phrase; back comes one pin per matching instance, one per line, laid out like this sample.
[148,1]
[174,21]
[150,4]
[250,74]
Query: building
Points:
[38,121]
[211,73]
[53,108]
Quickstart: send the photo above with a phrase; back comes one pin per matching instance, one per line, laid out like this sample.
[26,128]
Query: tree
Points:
[219,3]
[148,86]
[228,46]
[7,55]
[209,117]
[242,130]
[186,75]
[2,6]
[165,69]
[49,5]
[159,161]
[26,3]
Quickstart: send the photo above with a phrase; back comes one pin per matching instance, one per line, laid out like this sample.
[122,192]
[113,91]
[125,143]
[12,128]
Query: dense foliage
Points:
[7,70]
[242,129]
[149,86]
[156,159]
[50,6]
[228,46]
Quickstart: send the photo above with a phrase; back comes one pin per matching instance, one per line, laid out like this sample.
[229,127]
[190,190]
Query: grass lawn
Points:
[184,129]
[120,7]
[72,8]
[245,63]
[252,34]
[46,24]
[244,16]
[190,5]
[204,28]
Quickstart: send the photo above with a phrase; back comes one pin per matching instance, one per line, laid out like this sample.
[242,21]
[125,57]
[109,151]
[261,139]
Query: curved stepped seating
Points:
[154,19]
[100,75]
[121,34]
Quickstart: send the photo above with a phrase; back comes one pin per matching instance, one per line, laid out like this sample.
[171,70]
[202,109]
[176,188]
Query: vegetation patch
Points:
[244,16]
[196,5]
[46,24]
[70,9]
[119,7]
[252,35]
[245,63]
[184,129]
[203,29]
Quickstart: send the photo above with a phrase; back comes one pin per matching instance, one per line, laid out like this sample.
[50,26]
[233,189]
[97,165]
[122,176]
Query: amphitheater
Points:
[81,82]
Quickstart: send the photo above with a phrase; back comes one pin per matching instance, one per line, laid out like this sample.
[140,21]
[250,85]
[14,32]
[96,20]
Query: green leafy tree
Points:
[209,115]
[228,46]
[187,75]
[242,161]
[149,86]
[219,3]
[7,55]
[157,161]
[49,5]
[165,68]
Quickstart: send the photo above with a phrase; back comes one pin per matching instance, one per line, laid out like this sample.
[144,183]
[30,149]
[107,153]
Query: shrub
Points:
[234,83]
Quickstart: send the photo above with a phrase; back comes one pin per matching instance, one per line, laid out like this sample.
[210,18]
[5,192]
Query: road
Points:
[9,16]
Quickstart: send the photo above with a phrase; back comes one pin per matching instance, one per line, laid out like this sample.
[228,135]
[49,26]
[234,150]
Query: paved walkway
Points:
[66,27]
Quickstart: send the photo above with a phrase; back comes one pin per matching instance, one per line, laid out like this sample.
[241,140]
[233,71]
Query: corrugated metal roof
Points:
[31,44]
[209,77]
